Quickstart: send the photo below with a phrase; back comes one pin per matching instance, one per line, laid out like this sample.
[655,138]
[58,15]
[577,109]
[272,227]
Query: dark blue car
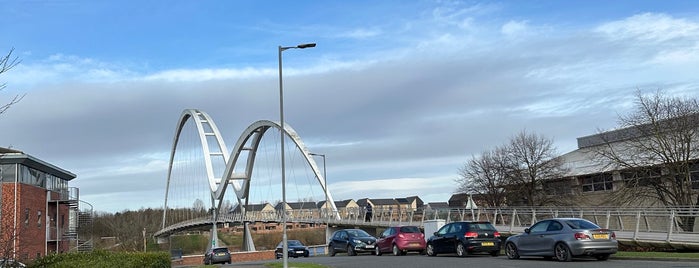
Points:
[351,241]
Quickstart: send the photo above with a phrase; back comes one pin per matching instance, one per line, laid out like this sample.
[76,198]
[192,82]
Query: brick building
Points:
[36,207]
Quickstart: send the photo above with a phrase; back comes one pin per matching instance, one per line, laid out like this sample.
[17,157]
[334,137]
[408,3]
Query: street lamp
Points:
[282,131]
[325,178]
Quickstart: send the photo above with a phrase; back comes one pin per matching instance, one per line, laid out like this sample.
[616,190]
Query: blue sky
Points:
[395,93]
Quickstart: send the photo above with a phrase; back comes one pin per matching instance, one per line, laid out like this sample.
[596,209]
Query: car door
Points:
[530,243]
[386,239]
[446,237]
[340,240]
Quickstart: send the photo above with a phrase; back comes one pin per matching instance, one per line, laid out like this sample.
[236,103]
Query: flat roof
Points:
[12,156]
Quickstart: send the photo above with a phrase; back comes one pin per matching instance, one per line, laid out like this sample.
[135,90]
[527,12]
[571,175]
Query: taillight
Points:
[496,234]
[581,236]
[401,236]
[471,234]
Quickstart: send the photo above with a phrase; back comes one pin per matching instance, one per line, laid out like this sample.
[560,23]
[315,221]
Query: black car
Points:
[296,249]
[217,255]
[464,238]
[351,241]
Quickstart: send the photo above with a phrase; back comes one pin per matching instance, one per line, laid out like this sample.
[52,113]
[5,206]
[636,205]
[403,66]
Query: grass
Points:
[295,265]
[650,254]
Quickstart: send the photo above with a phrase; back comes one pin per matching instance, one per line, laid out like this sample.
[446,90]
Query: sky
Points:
[397,94]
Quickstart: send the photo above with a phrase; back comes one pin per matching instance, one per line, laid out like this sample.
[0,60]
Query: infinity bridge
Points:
[633,226]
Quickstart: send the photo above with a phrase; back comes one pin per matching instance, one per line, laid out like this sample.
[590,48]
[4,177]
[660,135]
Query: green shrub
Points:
[104,259]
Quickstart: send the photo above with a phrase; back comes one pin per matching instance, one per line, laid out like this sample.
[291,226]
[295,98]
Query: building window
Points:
[694,174]
[38,218]
[642,177]
[597,182]
[26,217]
[559,187]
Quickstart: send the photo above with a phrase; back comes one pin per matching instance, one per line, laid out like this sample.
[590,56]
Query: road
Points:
[418,261]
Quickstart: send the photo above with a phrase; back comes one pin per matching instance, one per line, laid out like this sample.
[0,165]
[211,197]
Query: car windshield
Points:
[581,224]
[357,233]
[220,250]
[294,243]
[486,226]
[409,229]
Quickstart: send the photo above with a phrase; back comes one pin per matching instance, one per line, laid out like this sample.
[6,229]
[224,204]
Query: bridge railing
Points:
[672,220]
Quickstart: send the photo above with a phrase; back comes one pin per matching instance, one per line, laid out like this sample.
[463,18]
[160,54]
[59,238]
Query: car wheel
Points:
[602,257]
[460,250]
[377,251]
[511,251]
[562,252]
[430,250]
[396,250]
[332,250]
[350,251]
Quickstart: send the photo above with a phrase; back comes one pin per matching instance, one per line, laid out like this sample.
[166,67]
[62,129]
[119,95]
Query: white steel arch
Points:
[253,134]
[205,128]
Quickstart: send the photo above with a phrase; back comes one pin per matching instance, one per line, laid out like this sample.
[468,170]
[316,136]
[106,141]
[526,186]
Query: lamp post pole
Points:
[325,179]
[282,132]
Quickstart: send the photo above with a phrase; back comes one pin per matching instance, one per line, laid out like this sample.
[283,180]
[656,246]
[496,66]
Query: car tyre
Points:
[332,250]
[396,250]
[377,251]
[430,250]
[350,251]
[461,250]
[511,251]
[602,257]
[563,253]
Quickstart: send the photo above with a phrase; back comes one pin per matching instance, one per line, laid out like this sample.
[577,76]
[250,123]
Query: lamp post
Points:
[285,247]
[325,178]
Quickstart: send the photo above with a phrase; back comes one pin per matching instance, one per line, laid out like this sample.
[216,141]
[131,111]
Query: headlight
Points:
[357,241]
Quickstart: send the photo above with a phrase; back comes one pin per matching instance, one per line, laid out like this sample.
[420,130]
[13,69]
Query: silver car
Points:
[563,238]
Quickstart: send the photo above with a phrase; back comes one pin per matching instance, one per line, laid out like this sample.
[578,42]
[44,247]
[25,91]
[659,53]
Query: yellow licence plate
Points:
[487,244]
[600,236]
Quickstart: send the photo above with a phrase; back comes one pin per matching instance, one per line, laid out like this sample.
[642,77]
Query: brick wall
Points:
[235,257]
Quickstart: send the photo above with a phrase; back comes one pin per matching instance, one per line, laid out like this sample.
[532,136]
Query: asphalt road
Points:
[480,261]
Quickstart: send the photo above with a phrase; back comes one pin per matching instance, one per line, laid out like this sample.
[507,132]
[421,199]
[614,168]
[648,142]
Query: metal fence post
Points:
[672,224]
[512,224]
[638,223]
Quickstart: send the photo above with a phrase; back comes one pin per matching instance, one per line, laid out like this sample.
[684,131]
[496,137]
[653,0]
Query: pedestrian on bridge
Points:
[368,212]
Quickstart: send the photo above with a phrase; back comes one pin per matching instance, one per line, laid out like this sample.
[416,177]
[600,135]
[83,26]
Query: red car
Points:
[399,240]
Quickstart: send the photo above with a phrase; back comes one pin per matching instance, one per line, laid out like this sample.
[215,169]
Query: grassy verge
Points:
[668,255]
[295,265]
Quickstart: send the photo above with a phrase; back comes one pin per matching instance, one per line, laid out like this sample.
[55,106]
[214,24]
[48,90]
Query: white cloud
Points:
[650,27]
[361,33]
[514,28]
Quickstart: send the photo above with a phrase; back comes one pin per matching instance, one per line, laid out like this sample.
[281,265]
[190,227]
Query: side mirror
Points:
[436,234]
[526,230]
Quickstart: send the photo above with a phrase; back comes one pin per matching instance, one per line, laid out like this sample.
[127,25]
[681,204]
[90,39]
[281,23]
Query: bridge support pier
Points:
[248,244]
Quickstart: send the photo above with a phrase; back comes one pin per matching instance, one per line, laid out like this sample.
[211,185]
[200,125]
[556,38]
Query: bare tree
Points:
[485,175]
[657,152]
[531,160]
[7,63]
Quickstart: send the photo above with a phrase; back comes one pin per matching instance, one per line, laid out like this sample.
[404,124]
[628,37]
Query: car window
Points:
[540,227]
[358,233]
[409,229]
[295,243]
[485,226]
[457,228]
[220,250]
[444,229]
[555,226]
[581,224]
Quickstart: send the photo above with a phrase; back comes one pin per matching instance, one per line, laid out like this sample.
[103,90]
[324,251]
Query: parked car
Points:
[217,255]
[563,238]
[351,241]
[11,263]
[400,240]
[294,247]
[465,238]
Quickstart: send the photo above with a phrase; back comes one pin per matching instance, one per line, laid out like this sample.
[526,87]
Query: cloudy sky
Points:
[397,94]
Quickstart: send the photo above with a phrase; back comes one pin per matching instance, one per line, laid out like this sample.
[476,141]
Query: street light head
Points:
[307,45]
